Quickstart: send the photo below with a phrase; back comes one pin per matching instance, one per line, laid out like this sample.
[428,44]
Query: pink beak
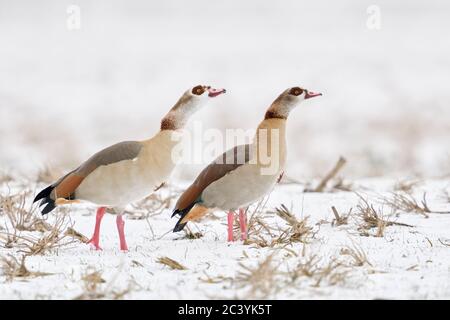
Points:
[215,92]
[310,94]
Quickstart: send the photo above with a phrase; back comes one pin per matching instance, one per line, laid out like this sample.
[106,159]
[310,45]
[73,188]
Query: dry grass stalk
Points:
[92,280]
[447,244]
[298,230]
[255,221]
[357,254]
[371,218]
[70,232]
[152,205]
[12,268]
[323,183]
[192,235]
[267,278]
[19,216]
[406,202]
[331,273]
[259,281]
[406,185]
[257,226]
[49,241]
[95,287]
[171,263]
[214,280]
[342,185]
[5,177]
[446,195]
[262,234]
[338,219]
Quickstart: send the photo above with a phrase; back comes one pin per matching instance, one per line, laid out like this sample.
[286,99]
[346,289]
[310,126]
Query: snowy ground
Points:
[385,103]
[65,94]
[401,263]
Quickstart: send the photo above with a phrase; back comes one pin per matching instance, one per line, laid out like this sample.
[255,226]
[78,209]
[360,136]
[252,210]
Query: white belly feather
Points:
[239,188]
[121,183]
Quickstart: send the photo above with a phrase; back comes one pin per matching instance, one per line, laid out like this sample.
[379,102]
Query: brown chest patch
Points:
[67,187]
[168,124]
[270,114]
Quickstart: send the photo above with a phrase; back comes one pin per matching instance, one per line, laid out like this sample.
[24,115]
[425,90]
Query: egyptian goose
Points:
[245,173]
[127,171]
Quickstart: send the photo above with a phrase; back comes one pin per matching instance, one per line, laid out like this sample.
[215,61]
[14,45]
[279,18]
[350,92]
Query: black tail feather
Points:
[179,226]
[44,195]
[182,213]
[175,212]
[49,207]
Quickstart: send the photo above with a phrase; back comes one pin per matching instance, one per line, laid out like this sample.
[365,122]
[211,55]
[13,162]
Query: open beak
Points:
[215,92]
[310,94]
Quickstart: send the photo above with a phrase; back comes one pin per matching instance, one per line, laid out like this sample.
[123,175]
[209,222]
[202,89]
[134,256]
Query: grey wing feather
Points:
[221,166]
[126,150]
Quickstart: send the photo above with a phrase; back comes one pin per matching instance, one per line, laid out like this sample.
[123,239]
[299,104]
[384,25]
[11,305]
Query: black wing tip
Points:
[49,203]
[43,194]
[49,207]
[176,212]
[179,226]
[182,213]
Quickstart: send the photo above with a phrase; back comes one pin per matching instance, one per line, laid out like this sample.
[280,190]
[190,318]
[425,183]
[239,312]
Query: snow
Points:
[385,102]
[406,263]
[64,95]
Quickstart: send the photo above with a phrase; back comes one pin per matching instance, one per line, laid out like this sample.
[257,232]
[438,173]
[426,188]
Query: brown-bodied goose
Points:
[127,171]
[245,173]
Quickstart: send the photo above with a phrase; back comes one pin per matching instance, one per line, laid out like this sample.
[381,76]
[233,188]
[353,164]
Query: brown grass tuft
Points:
[263,234]
[5,177]
[404,201]
[70,232]
[96,287]
[340,219]
[192,235]
[19,216]
[298,230]
[339,184]
[51,240]
[406,185]
[330,273]
[171,263]
[259,280]
[12,268]
[357,254]
[371,218]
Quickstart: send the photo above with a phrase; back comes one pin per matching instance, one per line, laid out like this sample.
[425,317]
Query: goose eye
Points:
[296,91]
[198,90]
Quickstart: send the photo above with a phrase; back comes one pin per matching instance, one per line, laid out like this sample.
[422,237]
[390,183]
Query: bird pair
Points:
[129,171]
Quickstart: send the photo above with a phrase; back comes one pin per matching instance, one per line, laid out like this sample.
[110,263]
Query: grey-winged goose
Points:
[245,173]
[127,171]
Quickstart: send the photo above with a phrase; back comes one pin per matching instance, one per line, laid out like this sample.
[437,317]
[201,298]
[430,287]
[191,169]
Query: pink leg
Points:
[95,240]
[120,227]
[230,225]
[243,223]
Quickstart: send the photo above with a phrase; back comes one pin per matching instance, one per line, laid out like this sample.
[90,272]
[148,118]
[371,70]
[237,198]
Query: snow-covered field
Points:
[65,94]
[315,258]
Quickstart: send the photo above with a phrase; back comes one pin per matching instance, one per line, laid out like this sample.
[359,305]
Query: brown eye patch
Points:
[296,91]
[198,90]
